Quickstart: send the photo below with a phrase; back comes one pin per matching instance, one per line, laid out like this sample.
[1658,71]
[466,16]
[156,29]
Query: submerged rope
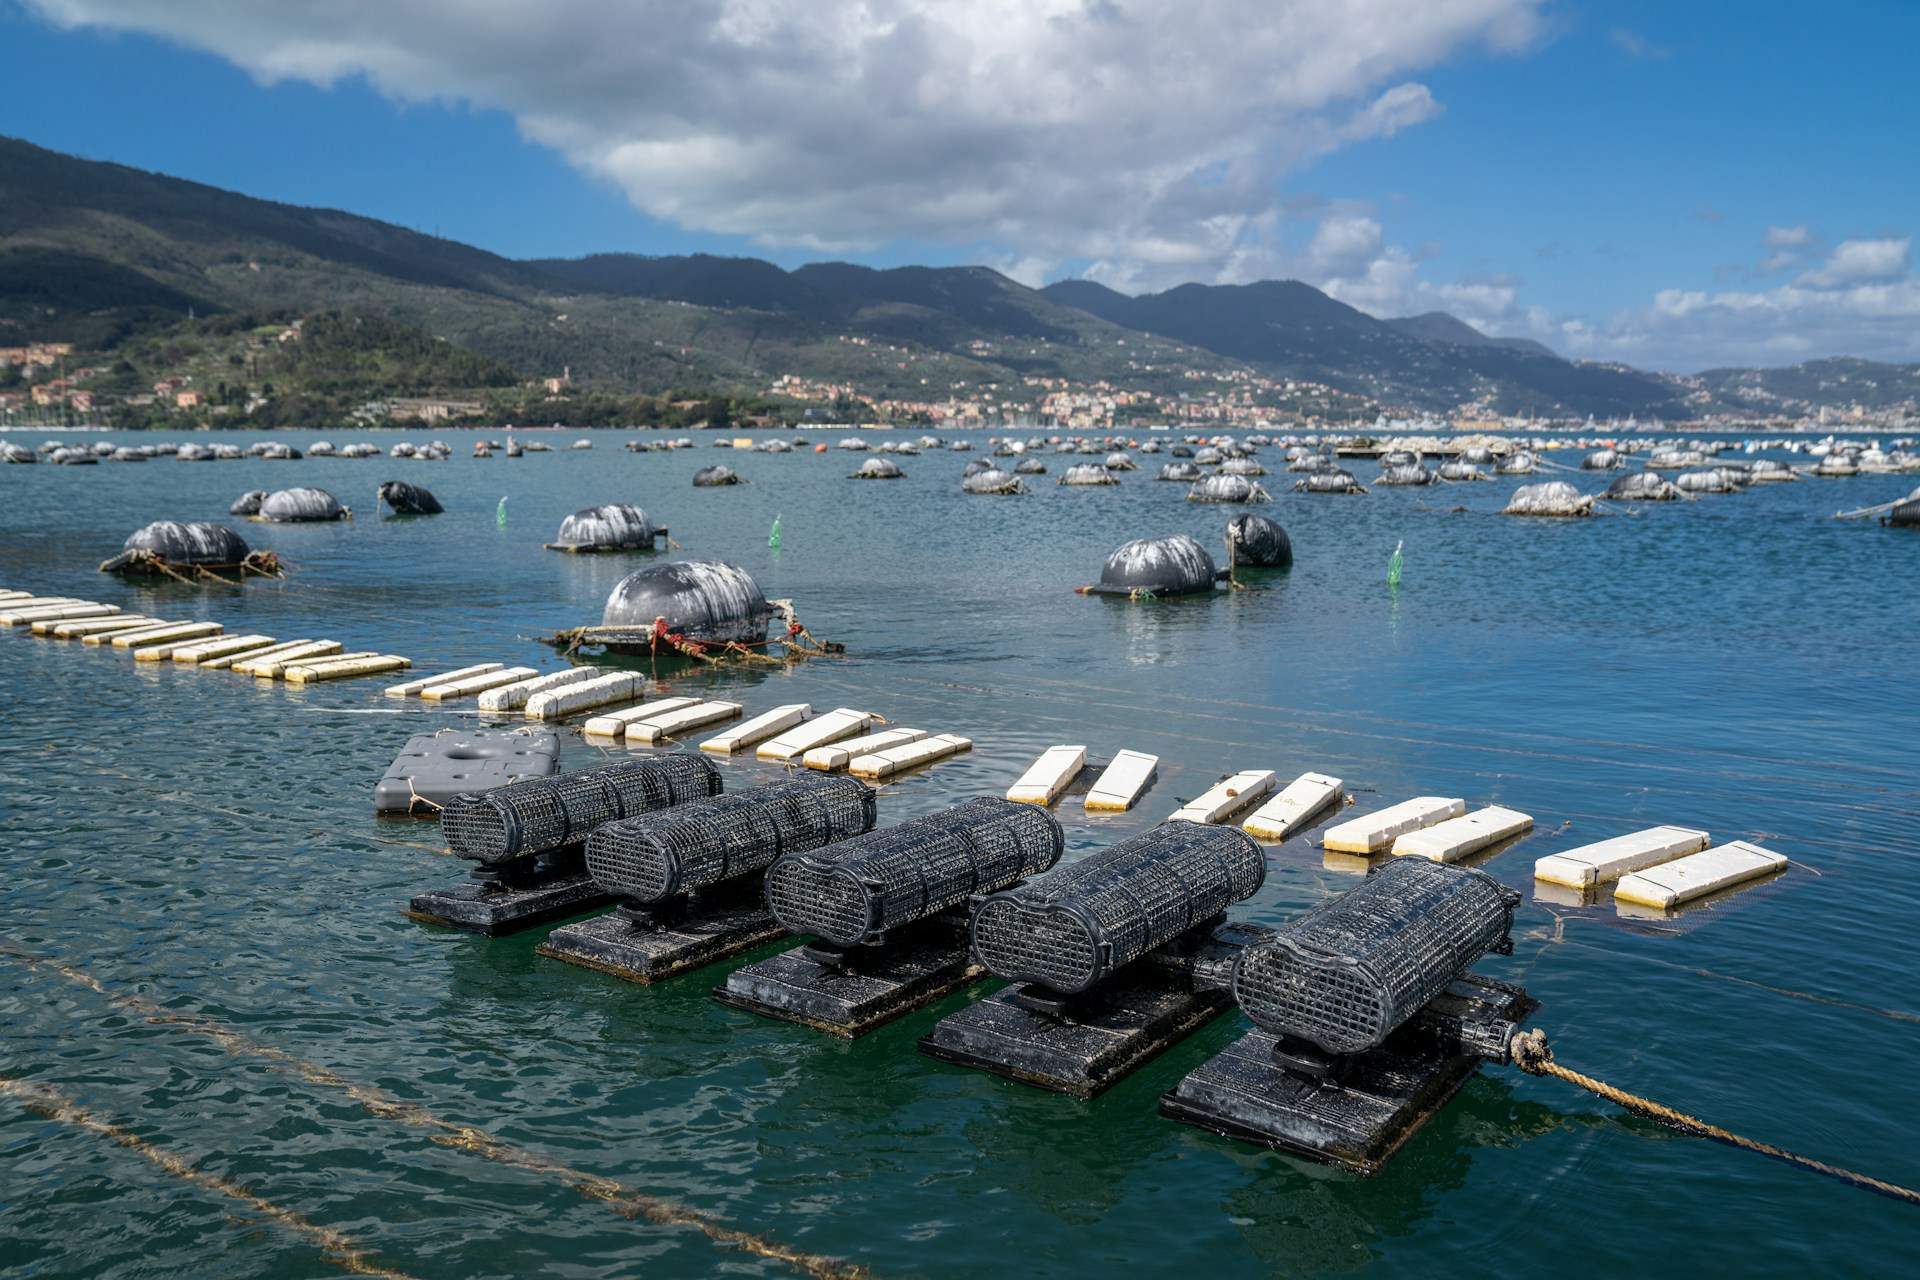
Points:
[338,1248]
[622,1199]
[1532,1055]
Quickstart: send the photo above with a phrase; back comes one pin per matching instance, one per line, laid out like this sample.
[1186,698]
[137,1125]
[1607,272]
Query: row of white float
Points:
[1660,867]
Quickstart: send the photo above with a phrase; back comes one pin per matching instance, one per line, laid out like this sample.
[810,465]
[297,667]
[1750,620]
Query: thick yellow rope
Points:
[1532,1055]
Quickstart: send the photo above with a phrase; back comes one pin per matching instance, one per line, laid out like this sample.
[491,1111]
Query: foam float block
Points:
[195,654]
[1121,783]
[73,630]
[889,761]
[1048,776]
[160,635]
[838,755]
[268,663]
[512,697]
[613,724]
[1227,797]
[1373,832]
[588,695]
[842,722]
[658,728]
[1462,837]
[1296,805]
[759,729]
[467,686]
[347,668]
[412,687]
[1695,876]
[1605,861]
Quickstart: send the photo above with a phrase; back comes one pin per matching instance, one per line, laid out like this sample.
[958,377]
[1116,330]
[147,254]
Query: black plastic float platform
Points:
[1367,1104]
[1084,1043]
[850,991]
[646,946]
[507,897]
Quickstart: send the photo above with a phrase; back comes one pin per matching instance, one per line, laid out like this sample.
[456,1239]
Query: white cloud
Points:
[1637,46]
[1788,237]
[1147,138]
[1863,300]
[1858,261]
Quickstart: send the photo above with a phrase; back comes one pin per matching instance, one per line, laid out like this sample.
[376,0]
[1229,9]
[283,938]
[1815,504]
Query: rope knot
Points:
[1530,1051]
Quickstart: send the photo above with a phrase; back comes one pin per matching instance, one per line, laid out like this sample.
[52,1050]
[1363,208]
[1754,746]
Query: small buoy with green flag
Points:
[773,538]
[1393,565]
[500,512]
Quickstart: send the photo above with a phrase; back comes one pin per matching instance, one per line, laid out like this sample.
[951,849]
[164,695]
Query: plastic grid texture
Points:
[661,855]
[536,815]
[854,892]
[1078,925]
[1347,973]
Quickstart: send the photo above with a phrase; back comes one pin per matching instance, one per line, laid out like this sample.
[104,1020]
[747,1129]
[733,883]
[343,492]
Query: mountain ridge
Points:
[98,252]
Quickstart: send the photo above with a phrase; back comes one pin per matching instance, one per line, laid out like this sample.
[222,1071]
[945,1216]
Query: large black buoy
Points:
[715,476]
[297,506]
[248,504]
[1225,488]
[1166,566]
[706,601]
[612,526]
[1258,543]
[1643,486]
[879,469]
[409,499]
[1904,516]
[171,548]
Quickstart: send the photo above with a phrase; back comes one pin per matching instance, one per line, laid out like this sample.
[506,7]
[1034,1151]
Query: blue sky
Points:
[1672,185]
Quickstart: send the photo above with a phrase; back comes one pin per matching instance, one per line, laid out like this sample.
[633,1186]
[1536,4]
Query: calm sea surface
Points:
[194,841]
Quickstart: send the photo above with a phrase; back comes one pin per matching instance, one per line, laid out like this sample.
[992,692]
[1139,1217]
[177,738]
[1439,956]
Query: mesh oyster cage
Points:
[656,856]
[1083,922]
[1346,974]
[854,892]
[536,815]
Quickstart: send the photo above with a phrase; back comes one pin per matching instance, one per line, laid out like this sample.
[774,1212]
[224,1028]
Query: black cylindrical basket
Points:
[1347,973]
[1073,928]
[656,856]
[537,815]
[854,892]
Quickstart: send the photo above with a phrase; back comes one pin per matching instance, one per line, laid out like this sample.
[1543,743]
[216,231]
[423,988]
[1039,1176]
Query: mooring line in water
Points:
[622,1199]
[339,1249]
[1532,1055]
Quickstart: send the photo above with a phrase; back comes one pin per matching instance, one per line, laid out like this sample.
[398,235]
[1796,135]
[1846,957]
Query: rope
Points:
[1532,1055]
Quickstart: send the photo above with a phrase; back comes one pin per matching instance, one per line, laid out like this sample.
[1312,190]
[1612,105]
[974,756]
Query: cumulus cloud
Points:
[1860,261]
[1862,299]
[1146,137]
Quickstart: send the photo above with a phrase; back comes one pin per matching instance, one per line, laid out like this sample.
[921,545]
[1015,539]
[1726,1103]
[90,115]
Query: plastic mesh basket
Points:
[1350,971]
[659,855]
[1081,923]
[536,815]
[853,892]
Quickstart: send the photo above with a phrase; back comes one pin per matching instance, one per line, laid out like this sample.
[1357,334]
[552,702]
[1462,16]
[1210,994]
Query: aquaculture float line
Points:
[1533,1055]
[622,1199]
[339,1249]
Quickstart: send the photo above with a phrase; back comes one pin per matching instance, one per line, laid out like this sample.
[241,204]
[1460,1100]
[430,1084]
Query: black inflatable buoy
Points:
[409,499]
[614,526]
[707,601]
[1166,566]
[1258,543]
[248,504]
[296,506]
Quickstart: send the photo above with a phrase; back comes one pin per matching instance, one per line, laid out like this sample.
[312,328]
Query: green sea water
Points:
[196,843]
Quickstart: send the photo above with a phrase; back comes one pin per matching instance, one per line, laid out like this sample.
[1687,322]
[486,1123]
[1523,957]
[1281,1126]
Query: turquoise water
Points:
[199,843]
